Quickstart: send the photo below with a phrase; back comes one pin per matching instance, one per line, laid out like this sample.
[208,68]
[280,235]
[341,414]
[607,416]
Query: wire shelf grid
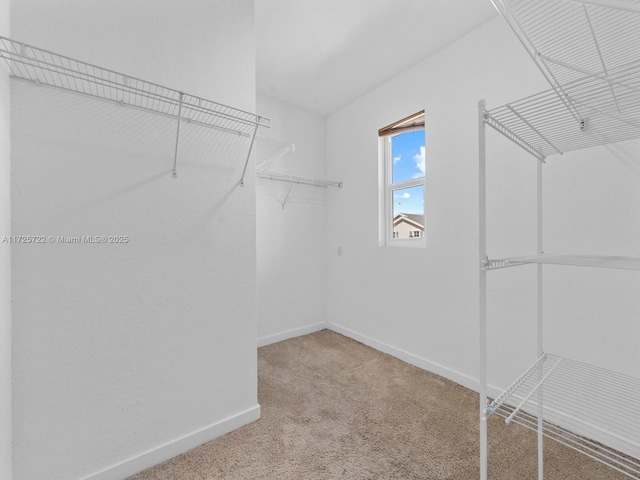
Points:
[599,261]
[572,35]
[589,409]
[54,70]
[609,112]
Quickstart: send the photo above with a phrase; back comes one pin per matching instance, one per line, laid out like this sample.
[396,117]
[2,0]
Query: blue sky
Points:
[408,153]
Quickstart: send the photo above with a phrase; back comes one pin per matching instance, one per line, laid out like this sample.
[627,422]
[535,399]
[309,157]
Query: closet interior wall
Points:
[291,228]
[128,354]
[420,304]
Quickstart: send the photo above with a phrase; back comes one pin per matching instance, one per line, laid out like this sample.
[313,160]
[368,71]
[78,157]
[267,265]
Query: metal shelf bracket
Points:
[246,163]
[175,154]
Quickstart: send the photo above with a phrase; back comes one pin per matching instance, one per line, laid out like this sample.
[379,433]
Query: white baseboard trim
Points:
[176,447]
[414,360]
[296,332]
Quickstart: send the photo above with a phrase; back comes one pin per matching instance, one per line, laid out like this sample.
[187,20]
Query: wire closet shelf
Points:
[270,150]
[47,68]
[580,402]
[598,261]
[589,52]
[584,115]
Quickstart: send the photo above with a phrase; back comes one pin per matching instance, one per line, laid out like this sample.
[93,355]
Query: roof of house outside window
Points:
[412,218]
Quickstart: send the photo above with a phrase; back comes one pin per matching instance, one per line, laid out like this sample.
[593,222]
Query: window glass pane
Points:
[408,212]
[407,153]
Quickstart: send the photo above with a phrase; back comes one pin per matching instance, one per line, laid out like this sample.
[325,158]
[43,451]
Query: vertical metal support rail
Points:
[246,163]
[540,324]
[482,288]
[175,155]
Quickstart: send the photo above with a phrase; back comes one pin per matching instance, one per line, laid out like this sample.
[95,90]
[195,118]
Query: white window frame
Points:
[386,189]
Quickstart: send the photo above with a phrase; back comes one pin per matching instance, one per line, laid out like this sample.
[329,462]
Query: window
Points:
[402,182]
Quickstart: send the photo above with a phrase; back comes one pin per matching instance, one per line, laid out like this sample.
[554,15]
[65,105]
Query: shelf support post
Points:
[175,154]
[482,288]
[246,163]
[540,324]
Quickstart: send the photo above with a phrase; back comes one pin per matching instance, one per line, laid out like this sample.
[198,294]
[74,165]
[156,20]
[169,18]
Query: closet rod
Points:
[299,180]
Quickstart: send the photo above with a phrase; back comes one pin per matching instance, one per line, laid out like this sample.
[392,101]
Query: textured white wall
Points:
[5,257]
[594,208]
[291,241]
[125,355]
[422,304]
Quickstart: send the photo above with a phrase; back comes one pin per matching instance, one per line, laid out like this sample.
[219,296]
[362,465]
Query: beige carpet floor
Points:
[333,408]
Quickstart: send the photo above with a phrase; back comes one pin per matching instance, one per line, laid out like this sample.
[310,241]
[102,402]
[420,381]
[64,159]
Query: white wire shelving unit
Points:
[589,52]
[269,151]
[50,69]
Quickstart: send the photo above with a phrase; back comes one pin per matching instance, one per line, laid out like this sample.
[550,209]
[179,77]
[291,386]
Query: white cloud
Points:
[397,159]
[402,195]
[419,159]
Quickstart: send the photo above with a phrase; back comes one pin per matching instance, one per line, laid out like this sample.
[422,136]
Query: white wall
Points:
[5,257]
[594,208]
[291,241]
[125,355]
[422,304]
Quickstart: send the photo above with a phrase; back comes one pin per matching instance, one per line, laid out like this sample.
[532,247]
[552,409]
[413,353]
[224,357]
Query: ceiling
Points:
[320,55]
